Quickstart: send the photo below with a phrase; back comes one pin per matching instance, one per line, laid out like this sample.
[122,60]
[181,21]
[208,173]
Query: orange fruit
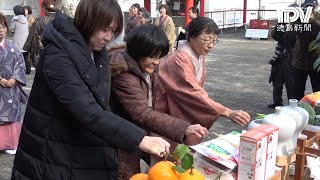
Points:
[194,175]
[162,170]
[139,176]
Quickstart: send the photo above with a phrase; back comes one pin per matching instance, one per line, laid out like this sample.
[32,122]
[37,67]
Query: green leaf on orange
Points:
[187,161]
[180,151]
[179,169]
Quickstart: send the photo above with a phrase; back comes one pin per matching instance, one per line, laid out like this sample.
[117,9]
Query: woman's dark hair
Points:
[50,5]
[199,25]
[136,5]
[146,15]
[95,15]
[28,8]
[147,40]
[164,6]
[3,20]
[18,10]
[194,10]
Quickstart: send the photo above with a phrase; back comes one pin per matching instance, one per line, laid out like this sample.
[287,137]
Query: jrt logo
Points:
[291,14]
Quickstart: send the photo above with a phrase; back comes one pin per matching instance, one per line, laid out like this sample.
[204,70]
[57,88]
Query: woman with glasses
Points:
[12,77]
[181,92]
[134,87]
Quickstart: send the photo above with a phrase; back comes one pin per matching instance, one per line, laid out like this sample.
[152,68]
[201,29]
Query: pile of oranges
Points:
[163,170]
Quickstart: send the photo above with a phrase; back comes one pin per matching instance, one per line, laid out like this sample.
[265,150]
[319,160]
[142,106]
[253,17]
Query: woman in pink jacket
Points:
[182,76]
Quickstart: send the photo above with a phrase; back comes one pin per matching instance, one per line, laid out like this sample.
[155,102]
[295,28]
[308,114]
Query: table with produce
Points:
[252,154]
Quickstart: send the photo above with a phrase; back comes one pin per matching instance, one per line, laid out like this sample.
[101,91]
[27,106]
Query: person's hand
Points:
[154,145]
[237,116]
[194,134]
[4,82]
[11,82]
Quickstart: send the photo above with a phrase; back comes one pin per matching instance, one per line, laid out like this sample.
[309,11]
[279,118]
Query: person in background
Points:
[135,82]
[69,131]
[181,92]
[193,13]
[19,28]
[33,44]
[145,17]
[165,22]
[281,63]
[302,64]
[12,77]
[134,19]
[28,14]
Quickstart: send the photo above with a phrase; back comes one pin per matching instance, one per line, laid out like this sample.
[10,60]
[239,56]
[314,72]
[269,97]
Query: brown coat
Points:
[181,94]
[130,90]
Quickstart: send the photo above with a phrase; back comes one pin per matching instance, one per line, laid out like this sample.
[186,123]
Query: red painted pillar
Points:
[244,12]
[189,4]
[147,5]
[41,10]
[201,8]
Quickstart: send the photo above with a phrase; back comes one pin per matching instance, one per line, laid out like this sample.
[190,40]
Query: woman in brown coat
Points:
[134,88]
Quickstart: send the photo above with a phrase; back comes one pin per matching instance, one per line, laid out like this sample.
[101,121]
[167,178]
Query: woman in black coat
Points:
[69,131]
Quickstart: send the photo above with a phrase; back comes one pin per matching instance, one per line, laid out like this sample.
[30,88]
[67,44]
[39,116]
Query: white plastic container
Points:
[300,116]
[287,128]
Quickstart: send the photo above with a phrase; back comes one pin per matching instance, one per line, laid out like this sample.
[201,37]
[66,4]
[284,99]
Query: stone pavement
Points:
[237,77]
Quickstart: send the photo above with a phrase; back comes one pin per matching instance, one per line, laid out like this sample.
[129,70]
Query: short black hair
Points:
[194,10]
[147,40]
[18,10]
[28,8]
[136,5]
[199,25]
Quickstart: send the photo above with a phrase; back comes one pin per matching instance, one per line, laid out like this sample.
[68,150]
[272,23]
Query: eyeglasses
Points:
[208,42]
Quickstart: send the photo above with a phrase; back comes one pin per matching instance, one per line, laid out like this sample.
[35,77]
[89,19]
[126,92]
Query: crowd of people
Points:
[101,102]
[292,63]
[15,62]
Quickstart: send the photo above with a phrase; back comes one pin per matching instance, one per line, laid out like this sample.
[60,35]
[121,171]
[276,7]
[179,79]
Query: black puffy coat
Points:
[69,131]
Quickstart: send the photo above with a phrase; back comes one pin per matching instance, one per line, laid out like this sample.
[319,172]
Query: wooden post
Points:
[301,143]
[244,12]
[189,4]
[201,8]
[147,5]
[41,9]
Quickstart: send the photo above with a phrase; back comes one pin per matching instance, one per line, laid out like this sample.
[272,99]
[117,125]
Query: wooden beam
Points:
[201,8]
[147,5]
[189,4]
[244,12]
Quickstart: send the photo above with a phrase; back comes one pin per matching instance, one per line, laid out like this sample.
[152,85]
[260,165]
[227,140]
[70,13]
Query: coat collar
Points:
[121,62]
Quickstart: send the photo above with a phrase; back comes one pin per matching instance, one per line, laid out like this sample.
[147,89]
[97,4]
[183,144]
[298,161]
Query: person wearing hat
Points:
[302,65]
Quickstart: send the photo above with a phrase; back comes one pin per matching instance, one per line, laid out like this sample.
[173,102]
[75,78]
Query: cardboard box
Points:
[253,153]
[272,132]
